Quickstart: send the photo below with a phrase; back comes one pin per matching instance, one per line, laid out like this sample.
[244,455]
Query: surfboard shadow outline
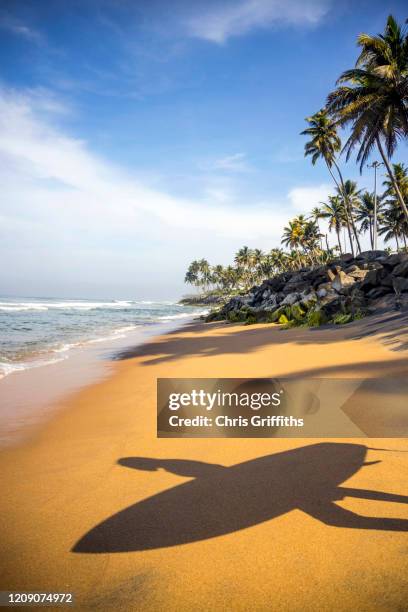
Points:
[220,500]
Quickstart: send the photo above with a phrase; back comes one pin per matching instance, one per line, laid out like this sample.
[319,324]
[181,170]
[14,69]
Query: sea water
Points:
[39,331]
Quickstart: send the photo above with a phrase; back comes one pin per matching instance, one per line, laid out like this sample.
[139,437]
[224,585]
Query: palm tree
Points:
[205,272]
[335,214]
[375,100]
[393,225]
[351,197]
[293,260]
[217,275]
[365,213]
[325,143]
[293,235]
[231,277]
[190,278]
[400,172]
[278,259]
[401,177]
[244,259]
[311,240]
[316,214]
[192,274]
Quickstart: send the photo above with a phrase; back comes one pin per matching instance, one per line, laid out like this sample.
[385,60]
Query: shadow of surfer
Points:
[219,500]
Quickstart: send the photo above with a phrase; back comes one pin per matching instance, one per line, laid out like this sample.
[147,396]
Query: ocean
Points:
[39,331]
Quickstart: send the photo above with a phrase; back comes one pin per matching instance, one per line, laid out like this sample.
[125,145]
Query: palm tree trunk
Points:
[396,240]
[371,235]
[320,239]
[339,241]
[404,239]
[327,242]
[392,178]
[346,208]
[349,211]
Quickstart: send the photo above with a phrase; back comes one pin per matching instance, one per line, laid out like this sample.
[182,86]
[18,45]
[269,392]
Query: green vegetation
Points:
[371,101]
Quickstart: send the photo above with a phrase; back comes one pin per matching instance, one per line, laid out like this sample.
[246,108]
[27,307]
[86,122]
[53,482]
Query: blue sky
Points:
[137,136]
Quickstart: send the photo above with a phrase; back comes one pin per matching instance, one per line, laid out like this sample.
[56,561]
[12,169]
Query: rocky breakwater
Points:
[346,289]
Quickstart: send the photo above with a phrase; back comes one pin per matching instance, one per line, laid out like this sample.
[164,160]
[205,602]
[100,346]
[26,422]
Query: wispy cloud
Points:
[235,18]
[68,215]
[303,199]
[20,29]
[64,205]
[233,163]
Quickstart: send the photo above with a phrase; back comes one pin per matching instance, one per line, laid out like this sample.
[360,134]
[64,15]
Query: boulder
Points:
[342,281]
[331,274]
[382,304]
[308,299]
[357,300]
[358,274]
[400,284]
[395,259]
[372,255]
[377,292]
[323,289]
[371,279]
[331,304]
[346,257]
[401,269]
[387,280]
[290,299]
[350,269]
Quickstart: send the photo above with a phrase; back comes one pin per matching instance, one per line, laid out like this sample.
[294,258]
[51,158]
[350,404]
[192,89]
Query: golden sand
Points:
[259,540]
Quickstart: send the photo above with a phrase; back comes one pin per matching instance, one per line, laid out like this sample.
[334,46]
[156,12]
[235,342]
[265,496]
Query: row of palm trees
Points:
[370,212]
[371,101]
[252,266]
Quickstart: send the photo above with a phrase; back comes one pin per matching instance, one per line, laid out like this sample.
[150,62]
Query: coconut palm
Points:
[293,235]
[365,213]
[392,203]
[192,274]
[278,259]
[190,278]
[311,240]
[351,199]
[393,225]
[205,273]
[217,275]
[334,212]
[373,98]
[315,215]
[244,260]
[400,172]
[325,143]
[230,278]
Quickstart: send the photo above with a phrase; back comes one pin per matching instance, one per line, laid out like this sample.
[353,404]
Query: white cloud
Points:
[303,199]
[233,163]
[43,153]
[67,214]
[236,18]
[20,29]
[75,224]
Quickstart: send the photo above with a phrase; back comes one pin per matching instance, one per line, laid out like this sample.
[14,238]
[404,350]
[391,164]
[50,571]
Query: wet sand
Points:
[290,525]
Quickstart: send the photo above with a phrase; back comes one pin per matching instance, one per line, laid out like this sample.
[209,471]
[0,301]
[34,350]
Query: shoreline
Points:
[74,470]
[31,397]
[28,396]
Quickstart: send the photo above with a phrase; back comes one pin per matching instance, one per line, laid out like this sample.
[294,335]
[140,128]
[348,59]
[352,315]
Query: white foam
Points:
[10,368]
[183,315]
[66,305]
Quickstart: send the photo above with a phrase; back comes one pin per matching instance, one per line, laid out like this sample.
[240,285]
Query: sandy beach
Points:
[272,533]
